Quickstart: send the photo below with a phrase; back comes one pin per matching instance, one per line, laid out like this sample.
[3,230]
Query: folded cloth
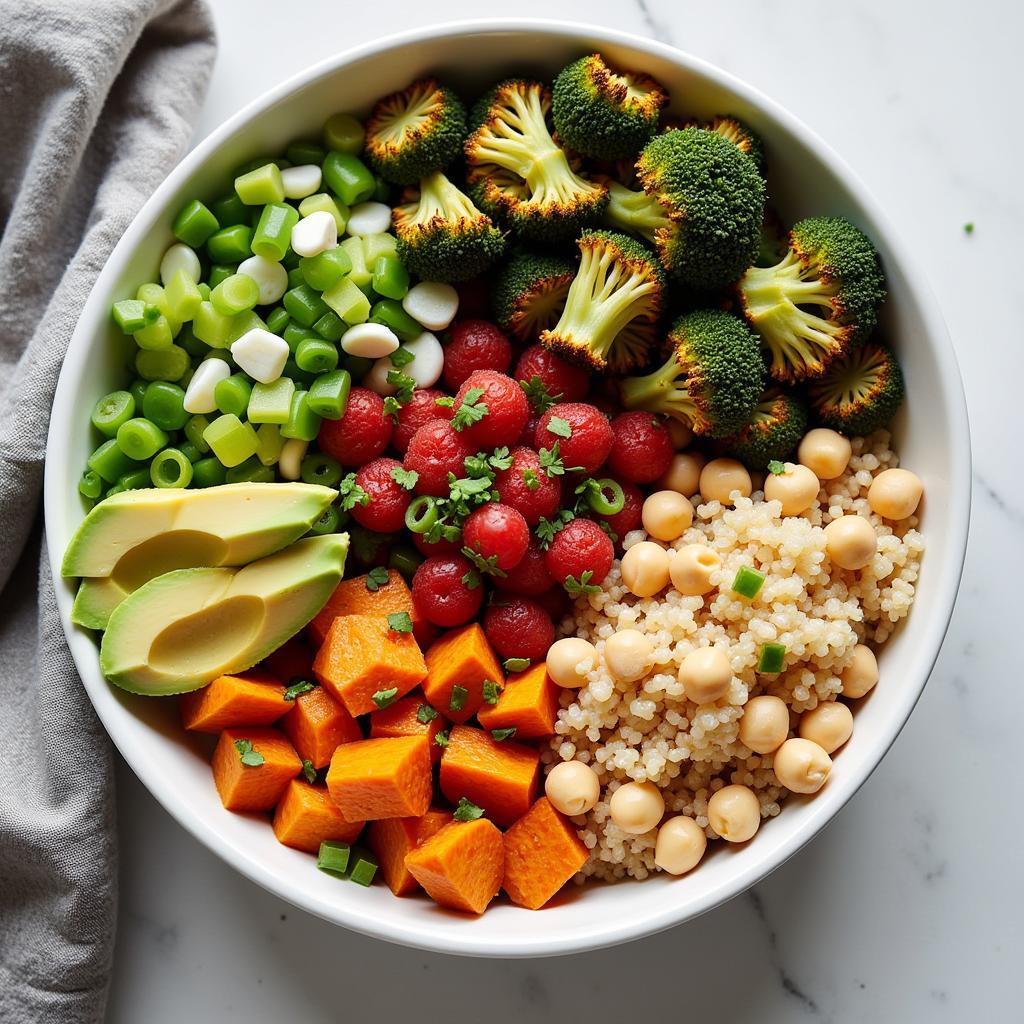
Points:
[97,99]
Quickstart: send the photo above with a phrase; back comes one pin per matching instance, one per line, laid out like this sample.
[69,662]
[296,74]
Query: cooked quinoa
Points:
[648,731]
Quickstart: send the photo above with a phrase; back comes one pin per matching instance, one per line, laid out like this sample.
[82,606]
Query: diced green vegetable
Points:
[325,269]
[109,462]
[748,582]
[348,177]
[140,439]
[129,315]
[328,394]
[167,364]
[111,411]
[235,294]
[348,302]
[232,394]
[390,313]
[322,201]
[363,866]
[262,185]
[334,857]
[230,245]
[771,658]
[303,424]
[208,473]
[183,296]
[164,404]
[274,230]
[304,305]
[271,403]
[194,224]
[270,442]
[231,440]
[390,278]
[316,355]
[170,468]
[318,468]
[343,133]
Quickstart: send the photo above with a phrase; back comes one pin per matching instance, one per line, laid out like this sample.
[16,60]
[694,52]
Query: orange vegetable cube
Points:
[382,778]
[400,719]
[307,815]
[499,777]
[363,655]
[292,660]
[462,657]
[317,724]
[255,698]
[461,866]
[351,597]
[392,839]
[253,787]
[528,704]
[542,852]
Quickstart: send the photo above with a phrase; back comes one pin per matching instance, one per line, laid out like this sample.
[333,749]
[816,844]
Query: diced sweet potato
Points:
[317,724]
[401,719]
[383,778]
[462,866]
[528,704]
[542,852]
[392,839]
[255,698]
[499,777]
[307,815]
[462,657]
[351,597]
[363,655]
[292,660]
[244,787]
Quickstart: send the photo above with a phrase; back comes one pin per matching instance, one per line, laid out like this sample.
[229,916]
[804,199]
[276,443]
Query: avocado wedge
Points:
[188,626]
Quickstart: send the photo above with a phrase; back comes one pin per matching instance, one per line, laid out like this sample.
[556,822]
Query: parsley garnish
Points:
[537,395]
[486,564]
[441,738]
[517,664]
[351,494]
[559,427]
[385,698]
[492,691]
[457,701]
[401,357]
[547,528]
[500,458]
[404,385]
[503,734]
[392,406]
[472,579]
[531,479]
[249,757]
[477,467]
[405,477]
[471,411]
[467,810]
[445,401]
[297,688]
[551,462]
[776,468]
[400,622]
[608,531]
[575,587]
[425,714]
[308,770]
[376,578]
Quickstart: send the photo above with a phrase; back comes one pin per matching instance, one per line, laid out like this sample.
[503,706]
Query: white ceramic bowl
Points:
[805,178]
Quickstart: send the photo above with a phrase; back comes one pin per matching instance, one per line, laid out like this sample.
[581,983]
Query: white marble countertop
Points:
[909,906]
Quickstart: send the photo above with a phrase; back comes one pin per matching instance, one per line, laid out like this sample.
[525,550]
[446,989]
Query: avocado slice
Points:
[135,536]
[188,626]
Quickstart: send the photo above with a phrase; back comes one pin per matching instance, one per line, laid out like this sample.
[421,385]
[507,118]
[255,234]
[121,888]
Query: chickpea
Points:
[690,569]
[765,724]
[825,453]
[705,674]
[895,493]
[802,766]
[720,477]
[734,813]
[628,654]
[851,541]
[860,676]
[681,434]
[829,725]
[645,568]
[637,807]
[684,474]
[680,846]
[572,787]
[796,488]
[667,515]
[565,657]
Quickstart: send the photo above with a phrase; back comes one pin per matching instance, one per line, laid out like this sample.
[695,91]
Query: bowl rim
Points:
[421,935]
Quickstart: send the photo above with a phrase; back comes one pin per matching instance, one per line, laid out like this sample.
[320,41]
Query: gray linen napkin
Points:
[97,98]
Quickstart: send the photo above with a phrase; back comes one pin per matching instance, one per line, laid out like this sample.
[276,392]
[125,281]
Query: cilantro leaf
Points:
[392,406]
[559,427]
[467,810]
[517,664]
[400,622]
[351,494]
[471,411]
[457,701]
[776,468]
[249,757]
[425,714]
[492,691]
[576,587]
[401,357]
[308,770]
[531,479]
[486,564]
[385,698]
[441,738]
[503,734]
[445,401]
[547,528]
[297,688]
[537,395]
[551,461]
[477,467]
[376,578]
[405,386]
[500,458]
[405,477]
[472,579]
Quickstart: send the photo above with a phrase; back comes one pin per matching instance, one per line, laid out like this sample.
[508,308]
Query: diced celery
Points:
[231,440]
[262,185]
[360,273]
[346,299]
[212,327]
[183,296]
[271,403]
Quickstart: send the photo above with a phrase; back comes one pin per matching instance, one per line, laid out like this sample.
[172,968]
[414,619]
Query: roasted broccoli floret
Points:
[712,380]
[613,305]
[772,433]
[859,392]
[819,301]
[530,294]
[517,171]
[603,113]
[738,132]
[701,206]
[442,236]
[415,131]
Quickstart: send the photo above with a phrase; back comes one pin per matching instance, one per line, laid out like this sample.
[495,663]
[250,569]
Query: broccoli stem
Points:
[440,198]
[663,391]
[635,212]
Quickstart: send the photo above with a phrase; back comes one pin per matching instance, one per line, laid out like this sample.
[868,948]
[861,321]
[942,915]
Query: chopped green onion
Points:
[348,177]
[517,664]
[134,480]
[112,410]
[323,202]
[208,472]
[274,230]
[277,320]
[333,857]
[328,394]
[748,582]
[270,403]
[259,186]
[330,326]
[230,245]
[235,294]
[304,305]
[318,468]
[326,269]
[170,468]
[606,498]
[269,443]
[364,867]
[308,771]
[231,440]
[229,210]
[298,688]
[300,153]
[194,224]
[316,355]
[771,658]
[130,315]
[249,471]
[155,336]
[194,427]
[303,424]
[328,521]
[404,559]
[344,133]
[467,810]
[425,714]
[140,439]
[457,701]
[348,301]
[164,404]
[233,393]
[421,514]
[390,278]
[441,738]
[391,314]
[91,484]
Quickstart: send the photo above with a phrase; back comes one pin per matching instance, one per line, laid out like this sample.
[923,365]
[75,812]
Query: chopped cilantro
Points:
[477,467]
[517,664]
[472,579]
[503,734]
[400,622]
[351,494]
[492,691]
[376,578]
[465,488]
[776,468]
[405,477]
[385,698]
[441,738]
[531,479]
[404,385]
[467,810]
[576,587]
[308,770]
[401,357]
[425,714]
[537,395]
[551,462]
[471,411]
[392,406]
[297,688]
[457,701]
[445,401]
[547,528]
[559,427]
[249,757]
[500,458]
[486,564]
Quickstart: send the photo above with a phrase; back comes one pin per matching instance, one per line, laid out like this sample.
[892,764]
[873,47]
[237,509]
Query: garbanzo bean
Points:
[861,675]
[690,569]
[802,766]
[684,474]
[829,725]
[563,658]
[734,813]
[851,541]
[666,515]
[720,477]
[825,453]
[572,787]
[680,845]
[765,723]
[637,807]
[645,568]
[706,674]
[796,488]
[627,654]
[895,493]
